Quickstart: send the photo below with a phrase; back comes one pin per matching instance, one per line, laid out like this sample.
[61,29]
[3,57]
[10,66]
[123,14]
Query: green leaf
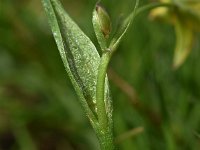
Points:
[80,58]
[102,25]
[123,28]
[79,55]
[184,43]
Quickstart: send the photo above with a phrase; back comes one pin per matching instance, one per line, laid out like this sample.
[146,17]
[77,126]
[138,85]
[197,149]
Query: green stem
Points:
[105,134]
[106,140]
[152,6]
[100,90]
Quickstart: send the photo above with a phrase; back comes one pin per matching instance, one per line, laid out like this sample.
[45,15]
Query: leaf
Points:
[80,58]
[123,28]
[79,55]
[184,43]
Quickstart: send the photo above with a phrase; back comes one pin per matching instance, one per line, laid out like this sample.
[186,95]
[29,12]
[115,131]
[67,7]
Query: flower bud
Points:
[103,20]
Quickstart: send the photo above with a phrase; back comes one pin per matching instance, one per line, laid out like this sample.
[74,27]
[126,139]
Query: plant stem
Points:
[152,6]
[105,135]
[106,140]
[100,90]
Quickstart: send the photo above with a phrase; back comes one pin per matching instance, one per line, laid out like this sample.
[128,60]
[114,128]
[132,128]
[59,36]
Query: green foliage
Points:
[77,52]
[81,61]
[38,104]
[87,72]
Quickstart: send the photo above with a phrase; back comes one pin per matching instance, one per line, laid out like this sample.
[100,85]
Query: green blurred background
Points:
[39,109]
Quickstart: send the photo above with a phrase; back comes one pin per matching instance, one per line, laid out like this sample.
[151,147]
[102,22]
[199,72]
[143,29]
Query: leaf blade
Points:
[77,55]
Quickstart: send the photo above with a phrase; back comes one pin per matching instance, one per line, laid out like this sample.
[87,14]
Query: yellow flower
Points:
[184,15]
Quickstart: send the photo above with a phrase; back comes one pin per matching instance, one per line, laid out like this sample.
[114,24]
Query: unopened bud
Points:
[104,20]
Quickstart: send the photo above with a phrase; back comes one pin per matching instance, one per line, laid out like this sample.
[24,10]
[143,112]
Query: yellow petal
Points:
[184,42]
[158,13]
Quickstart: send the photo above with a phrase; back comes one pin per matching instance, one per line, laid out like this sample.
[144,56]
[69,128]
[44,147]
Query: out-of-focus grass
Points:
[38,105]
